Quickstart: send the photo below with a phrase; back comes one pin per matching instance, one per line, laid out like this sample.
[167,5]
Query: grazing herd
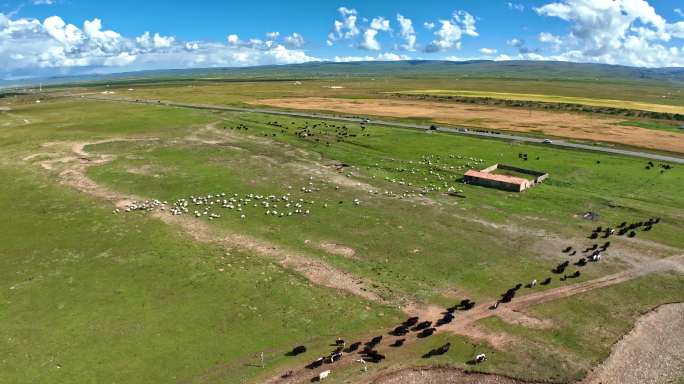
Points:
[213,205]
[320,132]
[368,351]
[591,254]
[663,167]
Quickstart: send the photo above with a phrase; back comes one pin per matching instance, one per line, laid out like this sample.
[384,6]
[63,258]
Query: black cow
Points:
[353,347]
[445,320]
[316,363]
[376,339]
[427,332]
[561,267]
[508,296]
[398,343]
[298,350]
[334,357]
[581,262]
[546,281]
[373,356]
[400,330]
[423,325]
[438,351]
[568,249]
[443,349]
[411,321]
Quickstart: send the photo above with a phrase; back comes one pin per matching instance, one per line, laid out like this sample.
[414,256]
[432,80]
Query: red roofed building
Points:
[487,178]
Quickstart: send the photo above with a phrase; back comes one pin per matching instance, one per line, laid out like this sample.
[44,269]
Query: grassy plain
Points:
[127,298]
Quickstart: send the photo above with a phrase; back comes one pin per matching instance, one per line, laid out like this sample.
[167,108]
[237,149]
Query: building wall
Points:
[496,184]
[506,186]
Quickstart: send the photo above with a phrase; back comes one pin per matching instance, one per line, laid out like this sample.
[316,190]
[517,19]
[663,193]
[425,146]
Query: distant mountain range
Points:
[534,70]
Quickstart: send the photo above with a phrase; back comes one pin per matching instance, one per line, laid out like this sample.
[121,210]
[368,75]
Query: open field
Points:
[313,230]
[623,104]
[614,125]
[554,124]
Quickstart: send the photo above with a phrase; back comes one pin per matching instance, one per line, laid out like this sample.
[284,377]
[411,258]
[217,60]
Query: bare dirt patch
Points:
[441,376]
[149,170]
[560,124]
[652,353]
[323,172]
[338,249]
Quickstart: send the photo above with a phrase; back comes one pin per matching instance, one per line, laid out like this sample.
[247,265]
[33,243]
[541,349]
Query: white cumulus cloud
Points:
[386,56]
[32,48]
[407,32]
[369,41]
[345,28]
[515,6]
[628,32]
[451,31]
[380,24]
[295,40]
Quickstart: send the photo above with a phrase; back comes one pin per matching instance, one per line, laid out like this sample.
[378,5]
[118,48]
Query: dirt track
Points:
[652,353]
[442,376]
[558,124]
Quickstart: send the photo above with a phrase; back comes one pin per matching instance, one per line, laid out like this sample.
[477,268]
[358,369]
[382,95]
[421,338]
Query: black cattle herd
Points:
[367,351]
[587,255]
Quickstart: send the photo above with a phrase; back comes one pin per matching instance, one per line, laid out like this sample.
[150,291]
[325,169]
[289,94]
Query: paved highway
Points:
[459,131]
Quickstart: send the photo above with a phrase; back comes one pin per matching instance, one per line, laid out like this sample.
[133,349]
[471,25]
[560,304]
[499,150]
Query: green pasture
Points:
[91,296]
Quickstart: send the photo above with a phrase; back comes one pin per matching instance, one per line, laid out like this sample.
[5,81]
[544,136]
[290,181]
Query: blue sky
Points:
[58,37]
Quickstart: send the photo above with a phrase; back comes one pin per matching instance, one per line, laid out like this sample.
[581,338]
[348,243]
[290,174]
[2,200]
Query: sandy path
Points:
[441,376]
[652,353]
[560,124]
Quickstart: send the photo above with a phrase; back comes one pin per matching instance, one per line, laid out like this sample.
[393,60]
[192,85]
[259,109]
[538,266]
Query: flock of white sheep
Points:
[214,205]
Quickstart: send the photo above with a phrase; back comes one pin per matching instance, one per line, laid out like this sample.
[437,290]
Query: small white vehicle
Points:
[547,141]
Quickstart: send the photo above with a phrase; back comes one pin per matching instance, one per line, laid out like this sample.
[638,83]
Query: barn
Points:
[505,177]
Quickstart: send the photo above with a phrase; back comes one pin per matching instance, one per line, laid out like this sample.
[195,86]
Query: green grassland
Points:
[92,296]
[609,312]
